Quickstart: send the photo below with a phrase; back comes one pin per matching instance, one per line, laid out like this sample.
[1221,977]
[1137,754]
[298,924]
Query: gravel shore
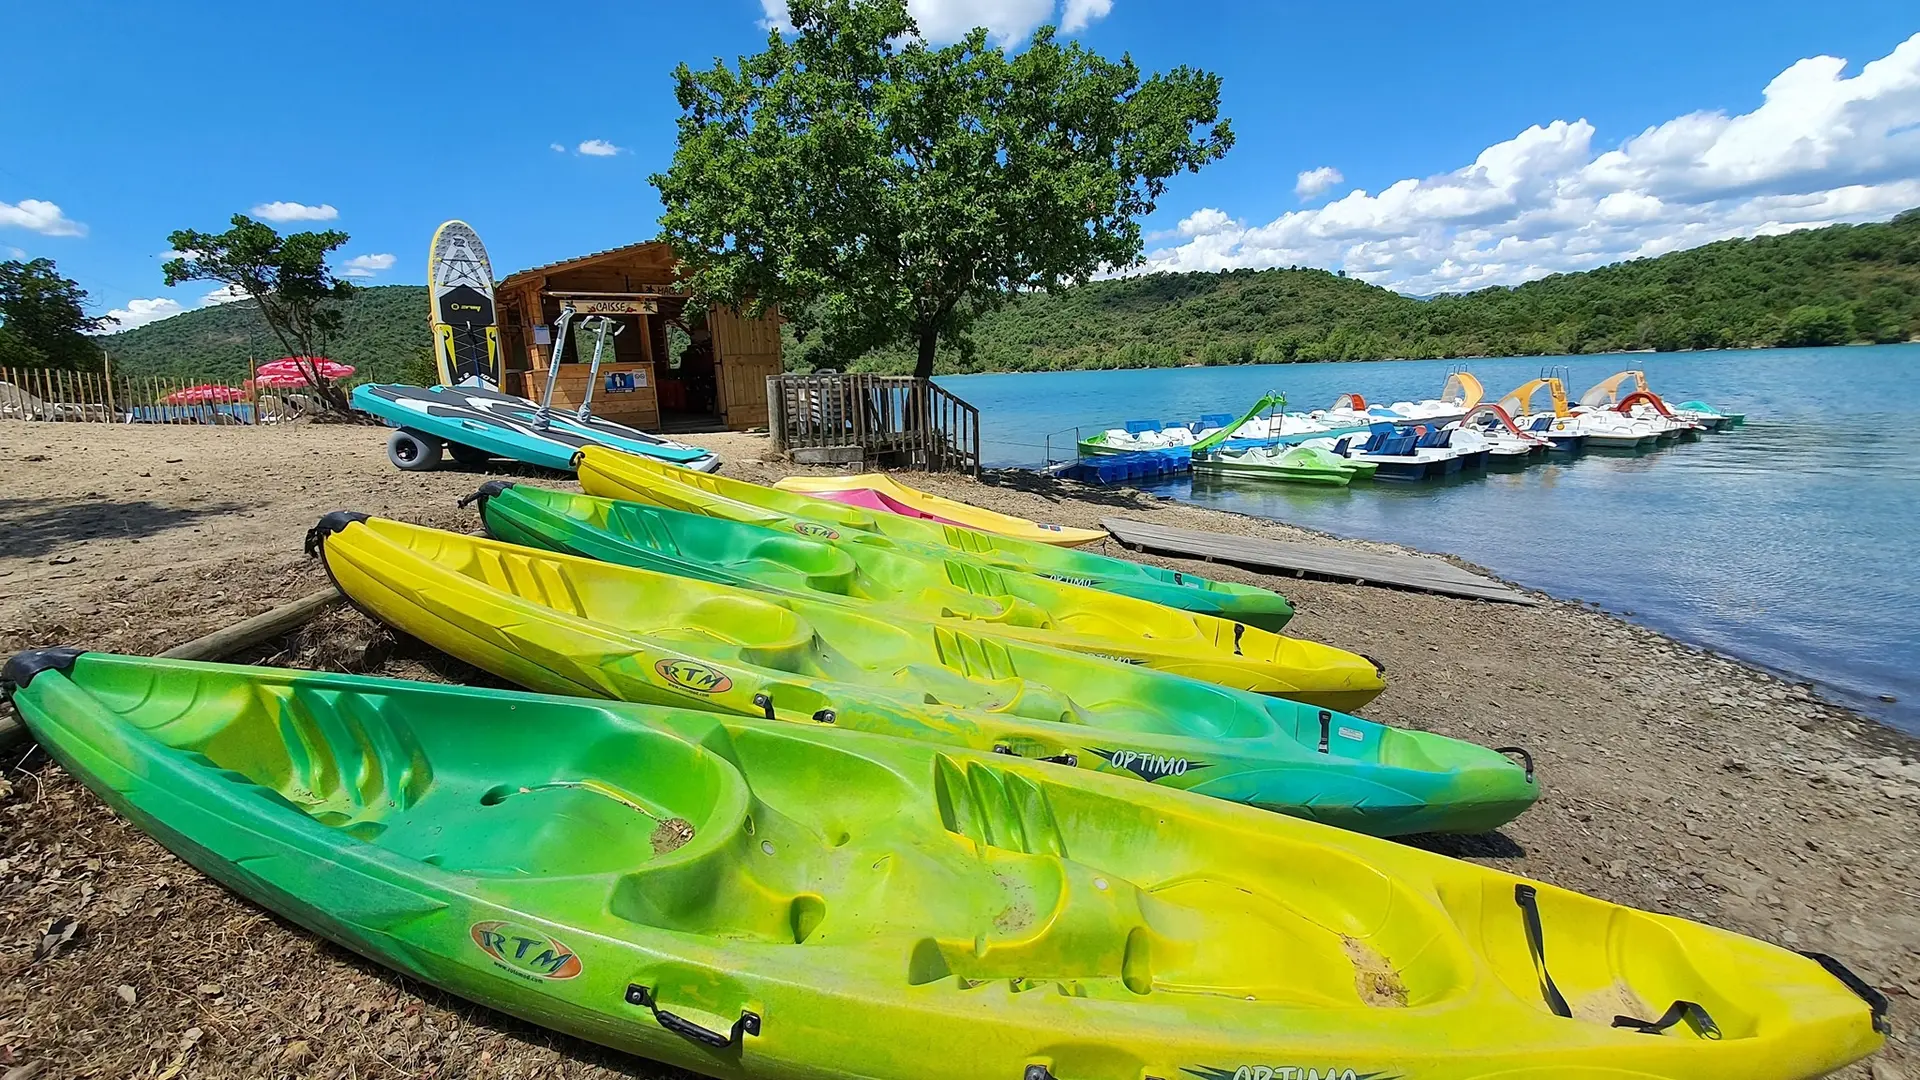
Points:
[1673,779]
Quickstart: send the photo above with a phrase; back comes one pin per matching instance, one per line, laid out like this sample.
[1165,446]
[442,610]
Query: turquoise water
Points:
[1790,542]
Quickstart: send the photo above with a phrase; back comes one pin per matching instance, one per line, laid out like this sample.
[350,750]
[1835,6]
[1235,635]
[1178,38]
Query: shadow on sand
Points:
[34,527]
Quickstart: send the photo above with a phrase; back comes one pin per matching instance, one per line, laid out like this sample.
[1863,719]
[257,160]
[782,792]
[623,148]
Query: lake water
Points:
[1790,542]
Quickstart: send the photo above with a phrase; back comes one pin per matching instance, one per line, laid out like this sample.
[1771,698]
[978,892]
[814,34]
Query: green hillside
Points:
[1815,287]
[385,337]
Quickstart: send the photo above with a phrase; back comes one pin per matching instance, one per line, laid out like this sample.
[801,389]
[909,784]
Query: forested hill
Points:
[1815,287]
[385,337]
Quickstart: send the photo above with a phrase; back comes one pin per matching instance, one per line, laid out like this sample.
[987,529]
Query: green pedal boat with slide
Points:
[890,585]
[767,901]
[568,625]
[614,475]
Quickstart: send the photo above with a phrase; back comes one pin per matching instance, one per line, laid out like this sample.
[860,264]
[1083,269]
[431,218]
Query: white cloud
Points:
[1008,22]
[1314,181]
[140,313]
[225,294]
[41,216]
[600,148]
[16,253]
[365,266]
[293,211]
[1819,150]
[556,148]
[1077,15]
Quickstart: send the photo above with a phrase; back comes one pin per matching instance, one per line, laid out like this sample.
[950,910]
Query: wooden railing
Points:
[854,417]
[56,395]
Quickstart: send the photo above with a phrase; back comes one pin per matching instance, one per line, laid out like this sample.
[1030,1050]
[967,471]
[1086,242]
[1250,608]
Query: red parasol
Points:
[205,394]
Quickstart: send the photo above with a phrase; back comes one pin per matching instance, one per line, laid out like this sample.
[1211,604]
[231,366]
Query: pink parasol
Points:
[292,370]
[205,394]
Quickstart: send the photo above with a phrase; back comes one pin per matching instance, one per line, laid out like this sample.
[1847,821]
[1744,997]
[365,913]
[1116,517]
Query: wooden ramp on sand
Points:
[1335,562]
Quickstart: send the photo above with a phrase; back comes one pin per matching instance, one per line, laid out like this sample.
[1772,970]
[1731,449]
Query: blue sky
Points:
[1473,144]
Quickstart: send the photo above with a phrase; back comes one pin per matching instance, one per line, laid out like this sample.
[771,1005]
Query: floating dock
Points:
[1329,561]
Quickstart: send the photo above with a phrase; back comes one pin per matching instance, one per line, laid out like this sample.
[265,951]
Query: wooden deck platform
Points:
[1334,562]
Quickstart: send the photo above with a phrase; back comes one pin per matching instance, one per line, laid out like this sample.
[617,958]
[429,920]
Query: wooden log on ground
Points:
[221,643]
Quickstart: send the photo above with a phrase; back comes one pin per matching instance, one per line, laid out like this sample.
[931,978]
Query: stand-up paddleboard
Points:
[467,415]
[466,345]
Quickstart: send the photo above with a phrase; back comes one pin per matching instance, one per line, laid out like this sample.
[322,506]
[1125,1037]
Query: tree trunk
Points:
[923,367]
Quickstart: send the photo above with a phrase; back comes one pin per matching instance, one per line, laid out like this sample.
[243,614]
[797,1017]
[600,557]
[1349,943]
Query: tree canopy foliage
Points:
[883,191]
[43,319]
[1830,286]
[286,278]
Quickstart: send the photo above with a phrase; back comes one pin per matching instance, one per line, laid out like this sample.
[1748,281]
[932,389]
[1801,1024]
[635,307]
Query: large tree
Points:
[43,319]
[881,190]
[286,276]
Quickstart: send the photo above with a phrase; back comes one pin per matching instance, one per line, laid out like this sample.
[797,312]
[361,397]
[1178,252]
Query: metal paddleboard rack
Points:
[543,416]
[600,324]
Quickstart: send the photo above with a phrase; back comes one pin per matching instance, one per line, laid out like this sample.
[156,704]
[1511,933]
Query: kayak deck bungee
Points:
[768,901]
[562,624]
[890,584]
[895,497]
[614,475]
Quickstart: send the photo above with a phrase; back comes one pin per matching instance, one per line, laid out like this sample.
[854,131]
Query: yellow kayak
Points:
[890,585]
[611,474]
[878,491]
[576,626]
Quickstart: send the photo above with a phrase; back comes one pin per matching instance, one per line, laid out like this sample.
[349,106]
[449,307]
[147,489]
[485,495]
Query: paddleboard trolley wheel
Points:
[468,455]
[748,1024]
[411,451]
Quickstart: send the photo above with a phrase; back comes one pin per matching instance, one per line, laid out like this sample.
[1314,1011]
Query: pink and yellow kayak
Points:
[878,491]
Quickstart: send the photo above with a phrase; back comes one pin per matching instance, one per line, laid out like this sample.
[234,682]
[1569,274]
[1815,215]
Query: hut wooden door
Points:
[746,352]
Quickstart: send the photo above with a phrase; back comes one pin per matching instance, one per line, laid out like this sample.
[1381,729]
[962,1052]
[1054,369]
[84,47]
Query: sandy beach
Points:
[1673,780]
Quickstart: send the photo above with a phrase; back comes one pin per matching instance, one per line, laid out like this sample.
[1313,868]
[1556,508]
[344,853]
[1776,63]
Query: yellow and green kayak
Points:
[568,625]
[878,491]
[611,474]
[768,901]
[891,585]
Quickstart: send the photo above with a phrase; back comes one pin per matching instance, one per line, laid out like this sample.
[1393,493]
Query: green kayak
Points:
[891,585]
[568,625]
[611,474]
[764,901]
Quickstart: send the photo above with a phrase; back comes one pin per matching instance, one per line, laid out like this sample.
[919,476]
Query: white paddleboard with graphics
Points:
[466,345]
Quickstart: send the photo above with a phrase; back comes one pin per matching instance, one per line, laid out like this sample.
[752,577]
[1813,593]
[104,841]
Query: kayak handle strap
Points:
[1693,1013]
[748,1024]
[1876,1001]
[1526,757]
[1526,898]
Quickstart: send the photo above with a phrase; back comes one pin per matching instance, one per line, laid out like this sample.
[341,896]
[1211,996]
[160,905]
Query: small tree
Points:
[287,277]
[43,319]
[883,191]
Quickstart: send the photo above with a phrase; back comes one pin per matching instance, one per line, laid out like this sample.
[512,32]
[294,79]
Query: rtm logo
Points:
[1070,579]
[818,532]
[1148,767]
[525,952]
[463,307]
[1285,1073]
[694,676]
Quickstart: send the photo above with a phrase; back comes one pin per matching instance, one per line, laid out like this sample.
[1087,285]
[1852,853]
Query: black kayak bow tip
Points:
[21,668]
[487,491]
[330,524]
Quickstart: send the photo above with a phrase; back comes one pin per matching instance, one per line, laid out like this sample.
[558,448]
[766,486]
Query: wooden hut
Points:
[664,371]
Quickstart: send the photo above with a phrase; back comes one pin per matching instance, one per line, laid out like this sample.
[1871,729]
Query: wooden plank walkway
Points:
[1338,563]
